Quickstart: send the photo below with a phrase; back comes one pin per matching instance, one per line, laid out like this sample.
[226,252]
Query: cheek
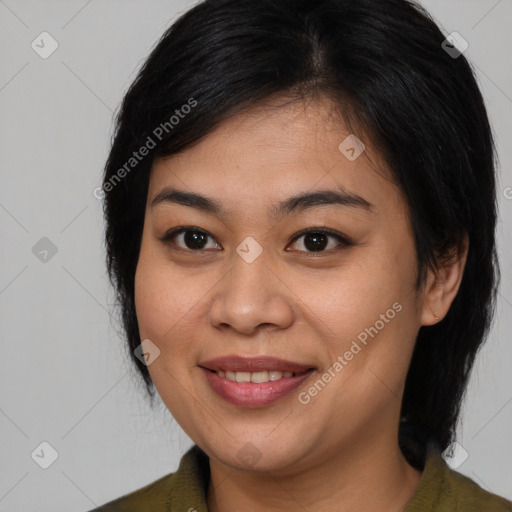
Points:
[171,304]
[354,296]
[163,298]
[163,304]
[367,315]
[151,301]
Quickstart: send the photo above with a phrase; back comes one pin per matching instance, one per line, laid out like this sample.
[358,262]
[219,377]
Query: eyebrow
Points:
[293,204]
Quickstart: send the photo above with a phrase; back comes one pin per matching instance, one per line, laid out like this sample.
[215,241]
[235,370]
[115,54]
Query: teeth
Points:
[259,376]
[256,377]
[243,377]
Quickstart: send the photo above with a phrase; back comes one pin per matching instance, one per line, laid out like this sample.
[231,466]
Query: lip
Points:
[236,363]
[251,394]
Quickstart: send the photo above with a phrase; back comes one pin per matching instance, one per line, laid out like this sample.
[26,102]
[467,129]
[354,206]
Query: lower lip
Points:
[251,394]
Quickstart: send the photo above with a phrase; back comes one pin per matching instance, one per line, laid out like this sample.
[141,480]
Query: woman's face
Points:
[244,280]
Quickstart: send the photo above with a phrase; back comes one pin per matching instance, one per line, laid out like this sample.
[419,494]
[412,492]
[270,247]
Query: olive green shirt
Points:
[441,489]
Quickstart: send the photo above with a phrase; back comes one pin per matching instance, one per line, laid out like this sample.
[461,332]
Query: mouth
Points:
[256,377]
[258,364]
[256,381]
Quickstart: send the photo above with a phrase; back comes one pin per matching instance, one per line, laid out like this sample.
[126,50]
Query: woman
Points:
[300,209]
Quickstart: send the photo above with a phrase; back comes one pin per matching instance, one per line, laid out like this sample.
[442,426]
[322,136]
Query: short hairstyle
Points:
[384,64]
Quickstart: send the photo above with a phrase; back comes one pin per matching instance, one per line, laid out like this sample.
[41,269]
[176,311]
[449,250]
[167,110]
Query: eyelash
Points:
[341,239]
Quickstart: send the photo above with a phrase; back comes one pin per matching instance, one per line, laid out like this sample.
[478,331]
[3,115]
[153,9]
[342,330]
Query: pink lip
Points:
[251,394]
[253,364]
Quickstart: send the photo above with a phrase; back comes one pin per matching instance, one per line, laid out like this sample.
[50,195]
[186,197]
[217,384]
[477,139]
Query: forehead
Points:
[273,151]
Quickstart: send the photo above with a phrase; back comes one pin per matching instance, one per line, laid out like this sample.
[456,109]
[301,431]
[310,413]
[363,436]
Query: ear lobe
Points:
[443,285]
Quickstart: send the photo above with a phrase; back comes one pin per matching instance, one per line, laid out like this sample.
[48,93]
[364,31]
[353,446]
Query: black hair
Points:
[384,63]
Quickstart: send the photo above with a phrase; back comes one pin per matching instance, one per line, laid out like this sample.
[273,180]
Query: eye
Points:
[317,239]
[189,238]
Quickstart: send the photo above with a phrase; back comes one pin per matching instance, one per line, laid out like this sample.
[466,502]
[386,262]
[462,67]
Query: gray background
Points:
[64,372]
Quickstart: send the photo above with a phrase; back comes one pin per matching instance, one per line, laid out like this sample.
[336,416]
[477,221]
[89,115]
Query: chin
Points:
[259,454]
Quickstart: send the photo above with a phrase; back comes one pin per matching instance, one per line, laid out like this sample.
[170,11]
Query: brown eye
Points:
[189,238]
[317,240]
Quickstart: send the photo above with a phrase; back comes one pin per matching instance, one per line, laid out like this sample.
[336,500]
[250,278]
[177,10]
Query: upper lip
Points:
[253,364]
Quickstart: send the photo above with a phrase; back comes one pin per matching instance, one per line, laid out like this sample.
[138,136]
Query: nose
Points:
[252,296]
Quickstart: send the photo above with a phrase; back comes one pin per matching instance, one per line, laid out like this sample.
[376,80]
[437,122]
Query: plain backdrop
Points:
[65,377]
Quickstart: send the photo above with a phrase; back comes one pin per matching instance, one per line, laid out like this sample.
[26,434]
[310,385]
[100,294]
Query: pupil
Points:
[194,239]
[313,242]
[318,241]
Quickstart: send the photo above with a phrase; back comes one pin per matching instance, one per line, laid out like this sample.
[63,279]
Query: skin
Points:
[340,450]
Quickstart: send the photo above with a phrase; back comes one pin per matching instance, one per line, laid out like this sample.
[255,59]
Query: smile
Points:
[254,381]
[257,377]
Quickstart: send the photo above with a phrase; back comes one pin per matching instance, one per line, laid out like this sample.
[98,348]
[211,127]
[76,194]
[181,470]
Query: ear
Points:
[442,285]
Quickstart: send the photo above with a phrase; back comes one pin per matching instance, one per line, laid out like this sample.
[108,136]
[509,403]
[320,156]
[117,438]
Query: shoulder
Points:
[150,497]
[184,490]
[443,489]
[471,497]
